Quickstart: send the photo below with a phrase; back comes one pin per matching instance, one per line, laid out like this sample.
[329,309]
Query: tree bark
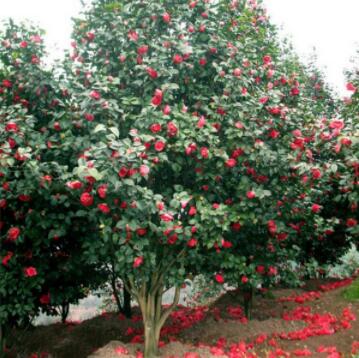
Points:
[2,341]
[127,311]
[248,302]
[149,298]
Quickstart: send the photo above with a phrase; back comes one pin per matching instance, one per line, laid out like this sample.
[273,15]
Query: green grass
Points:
[352,292]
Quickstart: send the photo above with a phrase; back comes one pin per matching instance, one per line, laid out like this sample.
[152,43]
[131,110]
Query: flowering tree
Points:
[39,241]
[191,141]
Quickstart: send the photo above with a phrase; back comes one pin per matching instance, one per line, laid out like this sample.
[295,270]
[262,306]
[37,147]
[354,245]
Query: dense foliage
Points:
[176,138]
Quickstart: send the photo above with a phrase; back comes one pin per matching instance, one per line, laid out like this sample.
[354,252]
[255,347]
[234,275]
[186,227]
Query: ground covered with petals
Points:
[314,321]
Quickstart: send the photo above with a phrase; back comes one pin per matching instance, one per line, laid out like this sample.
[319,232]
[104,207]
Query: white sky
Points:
[331,26]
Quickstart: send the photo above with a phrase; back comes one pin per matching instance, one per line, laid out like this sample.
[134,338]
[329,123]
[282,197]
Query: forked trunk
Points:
[154,317]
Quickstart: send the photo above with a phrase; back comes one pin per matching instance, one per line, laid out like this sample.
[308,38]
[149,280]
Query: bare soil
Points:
[99,337]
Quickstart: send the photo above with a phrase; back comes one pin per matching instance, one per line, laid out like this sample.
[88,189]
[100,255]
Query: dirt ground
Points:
[211,331]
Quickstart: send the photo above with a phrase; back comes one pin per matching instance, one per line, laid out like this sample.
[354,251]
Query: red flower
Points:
[166,217]
[236,226]
[177,59]
[95,95]
[144,170]
[202,61]
[272,227]
[274,134]
[30,271]
[192,242]
[13,233]
[138,261]
[132,35]
[152,72]
[90,36]
[141,231]
[294,91]
[89,117]
[316,173]
[192,211]
[74,184]
[23,44]
[7,258]
[159,146]
[11,127]
[219,278]
[24,198]
[86,199]
[155,127]
[204,152]
[237,72]
[244,279]
[142,50]
[316,208]
[120,349]
[166,110]
[102,191]
[157,98]
[251,195]
[7,83]
[166,17]
[260,269]
[267,59]
[171,129]
[231,162]
[122,172]
[45,299]
[351,87]
[351,222]
[104,208]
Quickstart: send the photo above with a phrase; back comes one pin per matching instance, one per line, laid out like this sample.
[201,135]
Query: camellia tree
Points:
[188,133]
[41,264]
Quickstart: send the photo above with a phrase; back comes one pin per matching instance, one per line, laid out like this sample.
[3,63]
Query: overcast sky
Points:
[331,26]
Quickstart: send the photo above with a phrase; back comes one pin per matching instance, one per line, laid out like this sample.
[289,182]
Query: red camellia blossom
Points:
[86,199]
[74,184]
[30,271]
[155,128]
[294,91]
[219,278]
[7,83]
[244,279]
[236,226]
[104,208]
[351,87]
[192,242]
[231,162]
[267,59]
[159,146]
[166,17]
[251,194]
[166,110]
[138,261]
[95,95]
[89,117]
[272,226]
[157,98]
[102,191]
[45,299]
[192,211]
[123,172]
[316,173]
[166,217]
[7,258]
[141,231]
[142,50]
[177,59]
[13,233]
[204,152]
[152,72]
[316,208]
[144,170]
[351,222]
[171,129]
[11,127]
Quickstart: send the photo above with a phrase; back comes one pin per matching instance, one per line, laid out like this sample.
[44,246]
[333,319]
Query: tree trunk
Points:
[154,317]
[2,341]
[65,308]
[127,311]
[248,302]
